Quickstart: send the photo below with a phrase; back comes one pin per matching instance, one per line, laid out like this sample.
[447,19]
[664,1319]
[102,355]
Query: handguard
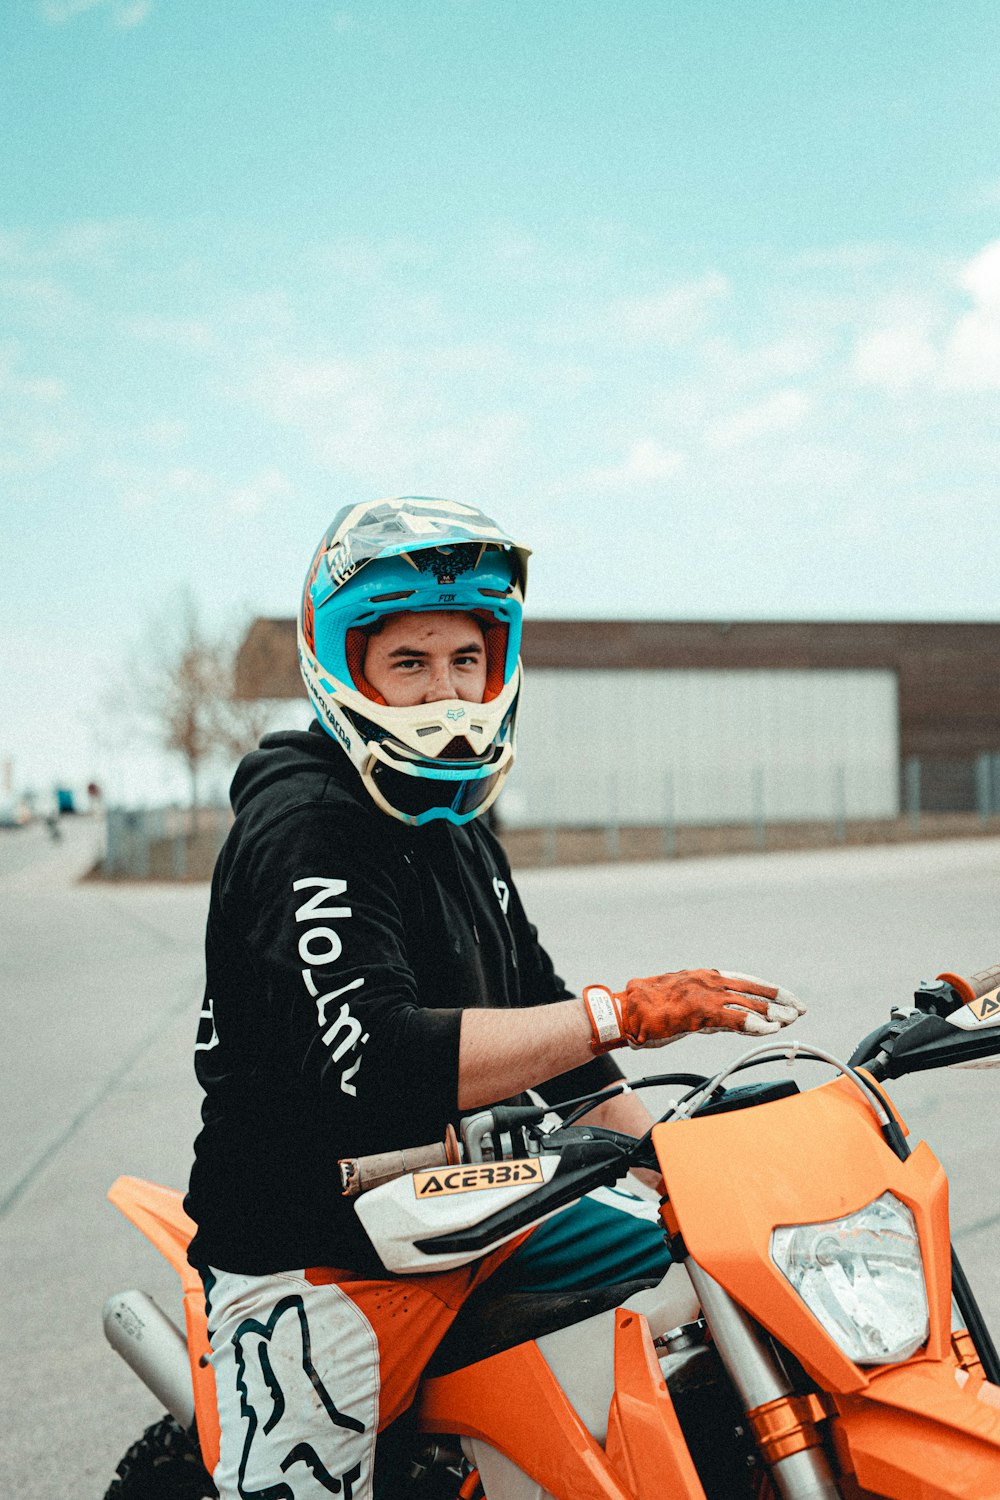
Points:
[408,1218]
[449,1214]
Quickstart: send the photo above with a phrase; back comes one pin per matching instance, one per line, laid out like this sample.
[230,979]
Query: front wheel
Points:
[165,1464]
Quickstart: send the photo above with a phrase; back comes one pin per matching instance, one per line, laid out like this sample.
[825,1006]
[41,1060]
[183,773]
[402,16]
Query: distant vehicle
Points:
[12,814]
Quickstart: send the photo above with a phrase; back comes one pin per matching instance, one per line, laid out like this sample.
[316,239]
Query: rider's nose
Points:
[440,684]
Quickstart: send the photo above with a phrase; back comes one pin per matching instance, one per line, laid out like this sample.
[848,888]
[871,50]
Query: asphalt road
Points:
[101,989]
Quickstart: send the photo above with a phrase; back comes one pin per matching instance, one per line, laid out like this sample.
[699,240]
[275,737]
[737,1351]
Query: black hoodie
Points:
[342,946]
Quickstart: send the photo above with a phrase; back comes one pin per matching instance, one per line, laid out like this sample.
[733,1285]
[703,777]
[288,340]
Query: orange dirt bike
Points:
[814,1337]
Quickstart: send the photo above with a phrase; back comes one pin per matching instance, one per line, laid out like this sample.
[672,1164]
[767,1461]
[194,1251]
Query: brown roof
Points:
[949,673]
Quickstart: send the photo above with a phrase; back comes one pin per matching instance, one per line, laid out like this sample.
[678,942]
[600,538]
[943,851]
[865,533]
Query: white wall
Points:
[704,747]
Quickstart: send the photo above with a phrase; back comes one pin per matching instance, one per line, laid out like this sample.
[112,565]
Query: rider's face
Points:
[424,658]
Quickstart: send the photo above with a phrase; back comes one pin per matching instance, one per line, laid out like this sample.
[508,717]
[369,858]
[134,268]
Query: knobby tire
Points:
[165,1464]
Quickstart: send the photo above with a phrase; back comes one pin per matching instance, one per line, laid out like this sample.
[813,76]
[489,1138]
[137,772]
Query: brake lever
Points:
[933,1001]
[637,1149]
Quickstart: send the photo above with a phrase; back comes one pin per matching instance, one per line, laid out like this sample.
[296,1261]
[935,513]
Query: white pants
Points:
[272,1336]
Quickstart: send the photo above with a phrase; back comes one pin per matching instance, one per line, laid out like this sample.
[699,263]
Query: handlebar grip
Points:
[361,1173]
[985,980]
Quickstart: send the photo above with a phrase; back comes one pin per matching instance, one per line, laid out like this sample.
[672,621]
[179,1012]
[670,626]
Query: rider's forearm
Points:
[502,1052]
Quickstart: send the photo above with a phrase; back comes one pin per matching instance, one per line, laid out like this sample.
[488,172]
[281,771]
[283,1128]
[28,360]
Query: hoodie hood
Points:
[289,753]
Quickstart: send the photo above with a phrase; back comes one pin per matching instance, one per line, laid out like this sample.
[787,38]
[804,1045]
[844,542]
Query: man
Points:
[371,975]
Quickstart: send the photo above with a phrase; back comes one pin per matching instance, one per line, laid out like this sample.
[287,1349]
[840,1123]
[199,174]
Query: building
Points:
[729,721]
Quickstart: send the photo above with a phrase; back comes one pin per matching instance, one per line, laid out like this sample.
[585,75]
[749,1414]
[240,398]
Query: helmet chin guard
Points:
[445,760]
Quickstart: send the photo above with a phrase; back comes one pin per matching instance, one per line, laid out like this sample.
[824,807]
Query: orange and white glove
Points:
[653,1012]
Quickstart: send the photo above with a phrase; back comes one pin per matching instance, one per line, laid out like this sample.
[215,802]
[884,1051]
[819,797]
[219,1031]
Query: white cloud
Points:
[163,434]
[128,16]
[971,357]
[81,242]
[666,316]
[393,416]
[781,412]
[646,462]
[986,195]
[141,488]
[145,487]
[288,387]
[40,302]
[44,389]
[31,447]
[894,358]
[255,496]
[919,342]
[38,426]
[784,358]
[125,14]
[177,333]
[366,261]
[981,277]
[859,256]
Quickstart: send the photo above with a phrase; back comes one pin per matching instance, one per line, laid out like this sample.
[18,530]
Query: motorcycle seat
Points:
[498,1316]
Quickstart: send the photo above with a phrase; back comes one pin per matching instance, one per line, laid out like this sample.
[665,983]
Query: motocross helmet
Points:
[431,760]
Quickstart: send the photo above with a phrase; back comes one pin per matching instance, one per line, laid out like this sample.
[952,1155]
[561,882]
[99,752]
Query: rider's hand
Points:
[652,1012]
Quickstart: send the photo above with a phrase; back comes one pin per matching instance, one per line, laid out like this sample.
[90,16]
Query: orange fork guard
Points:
[157,1211]
[513,1402]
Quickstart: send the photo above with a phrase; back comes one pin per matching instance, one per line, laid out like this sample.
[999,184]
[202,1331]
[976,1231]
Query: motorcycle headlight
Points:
[862,1277]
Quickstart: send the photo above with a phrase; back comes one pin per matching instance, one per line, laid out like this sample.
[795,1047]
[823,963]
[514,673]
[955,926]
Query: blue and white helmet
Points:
[432,760]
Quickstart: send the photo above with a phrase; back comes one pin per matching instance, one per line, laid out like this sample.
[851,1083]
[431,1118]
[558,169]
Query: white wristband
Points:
[604,1011]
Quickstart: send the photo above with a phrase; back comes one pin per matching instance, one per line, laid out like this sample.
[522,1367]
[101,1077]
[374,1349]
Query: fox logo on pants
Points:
[277,1380]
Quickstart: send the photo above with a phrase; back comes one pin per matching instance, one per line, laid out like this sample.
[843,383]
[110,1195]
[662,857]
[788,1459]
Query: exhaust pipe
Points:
[154,1347]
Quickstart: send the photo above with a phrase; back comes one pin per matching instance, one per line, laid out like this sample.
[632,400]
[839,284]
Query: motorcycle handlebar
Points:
[985,980]
[359,1174]
[362,1173]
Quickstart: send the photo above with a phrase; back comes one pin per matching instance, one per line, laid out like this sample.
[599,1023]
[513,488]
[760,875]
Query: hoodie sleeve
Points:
[316,901]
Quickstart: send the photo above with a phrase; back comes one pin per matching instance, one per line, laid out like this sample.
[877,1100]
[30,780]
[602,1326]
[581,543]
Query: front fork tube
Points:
[803,1473]
[972,1320]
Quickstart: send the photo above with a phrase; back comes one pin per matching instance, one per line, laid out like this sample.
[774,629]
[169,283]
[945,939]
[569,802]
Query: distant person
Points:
[371,975]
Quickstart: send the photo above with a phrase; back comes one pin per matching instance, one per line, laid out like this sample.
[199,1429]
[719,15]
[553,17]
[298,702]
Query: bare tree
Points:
[191,682]
[170,692]
[242,716]
[181,692]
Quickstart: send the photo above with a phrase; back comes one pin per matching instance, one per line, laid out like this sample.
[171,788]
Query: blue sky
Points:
[702,299]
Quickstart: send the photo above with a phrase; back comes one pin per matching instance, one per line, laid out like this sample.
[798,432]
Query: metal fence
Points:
[173,843]
[163,843]
[969,784]
[755,808]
